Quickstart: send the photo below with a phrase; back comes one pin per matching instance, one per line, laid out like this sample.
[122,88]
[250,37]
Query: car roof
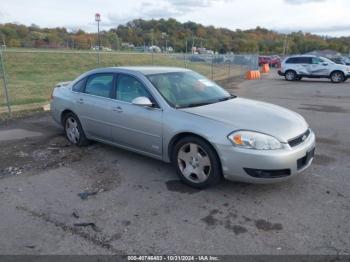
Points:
[145,70]
[303,56]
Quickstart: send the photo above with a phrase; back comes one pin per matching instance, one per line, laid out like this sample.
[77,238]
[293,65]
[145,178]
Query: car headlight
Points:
[254,140]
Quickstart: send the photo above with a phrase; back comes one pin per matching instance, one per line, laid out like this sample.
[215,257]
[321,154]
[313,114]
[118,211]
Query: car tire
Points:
[73,130]
[337,77]
[196,162]
[290,75]
[298,78]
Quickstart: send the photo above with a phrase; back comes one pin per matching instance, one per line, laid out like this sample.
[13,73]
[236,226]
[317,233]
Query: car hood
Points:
[246,114]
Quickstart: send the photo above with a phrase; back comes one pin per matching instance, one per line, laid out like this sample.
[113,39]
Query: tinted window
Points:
[99,85]
[291,60]
[78,87]
[128,88]
[304,60]
[299,60]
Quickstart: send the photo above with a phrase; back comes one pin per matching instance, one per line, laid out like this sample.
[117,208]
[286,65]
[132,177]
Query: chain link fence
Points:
[30,75]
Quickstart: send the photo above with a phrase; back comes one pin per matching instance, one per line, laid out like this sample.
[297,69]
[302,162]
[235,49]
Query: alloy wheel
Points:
[194,163]
[337,77]
[290,76]
[72,130]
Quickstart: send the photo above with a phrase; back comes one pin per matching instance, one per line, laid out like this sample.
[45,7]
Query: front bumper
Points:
[266,166]
[280,73]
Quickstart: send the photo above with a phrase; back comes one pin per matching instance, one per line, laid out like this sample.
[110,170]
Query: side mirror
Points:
[142,101]
[325,64]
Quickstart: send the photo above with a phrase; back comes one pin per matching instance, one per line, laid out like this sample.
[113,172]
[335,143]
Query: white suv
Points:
[296,67]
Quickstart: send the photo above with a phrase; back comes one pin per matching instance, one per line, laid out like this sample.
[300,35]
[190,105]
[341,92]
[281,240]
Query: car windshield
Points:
[188,89]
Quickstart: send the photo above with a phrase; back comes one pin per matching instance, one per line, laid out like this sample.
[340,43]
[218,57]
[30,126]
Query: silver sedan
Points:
[179,116]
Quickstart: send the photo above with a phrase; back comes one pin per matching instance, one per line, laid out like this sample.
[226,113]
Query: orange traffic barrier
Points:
[253,75]
[265,68]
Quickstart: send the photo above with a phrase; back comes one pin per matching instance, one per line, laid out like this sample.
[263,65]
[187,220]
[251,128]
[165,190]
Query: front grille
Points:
[300,139]
[260,173]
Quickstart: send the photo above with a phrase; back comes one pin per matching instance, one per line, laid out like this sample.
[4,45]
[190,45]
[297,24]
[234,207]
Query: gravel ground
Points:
[60,199]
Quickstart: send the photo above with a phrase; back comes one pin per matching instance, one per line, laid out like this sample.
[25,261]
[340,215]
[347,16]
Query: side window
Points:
[128,88]
[316,61]
[78,87]
[292,60]
[289,61]
[99,85]
[305,60]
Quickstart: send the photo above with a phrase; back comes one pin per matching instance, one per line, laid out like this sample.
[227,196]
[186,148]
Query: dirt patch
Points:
[35,154]
[210,220]
[323,108]
[179,187]
[237,229]
[267,226]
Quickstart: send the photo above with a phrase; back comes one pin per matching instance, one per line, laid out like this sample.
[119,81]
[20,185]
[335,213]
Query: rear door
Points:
[95,104]
[138,127]
[304,65]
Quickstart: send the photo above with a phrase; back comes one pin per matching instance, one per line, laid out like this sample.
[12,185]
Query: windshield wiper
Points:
[195,104]
[207,103]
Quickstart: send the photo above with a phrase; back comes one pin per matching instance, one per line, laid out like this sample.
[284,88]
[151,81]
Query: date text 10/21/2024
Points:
[173,258]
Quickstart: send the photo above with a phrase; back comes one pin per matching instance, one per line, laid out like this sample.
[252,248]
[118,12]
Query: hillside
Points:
[173,33]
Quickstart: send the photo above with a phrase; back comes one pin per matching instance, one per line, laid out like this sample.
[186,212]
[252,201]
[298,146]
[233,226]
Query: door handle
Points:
[117,109]
[81,101]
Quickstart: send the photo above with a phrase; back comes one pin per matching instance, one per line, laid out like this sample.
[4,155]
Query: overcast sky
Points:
[324,17]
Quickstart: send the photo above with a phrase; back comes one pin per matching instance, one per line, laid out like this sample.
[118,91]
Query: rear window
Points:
[299,60]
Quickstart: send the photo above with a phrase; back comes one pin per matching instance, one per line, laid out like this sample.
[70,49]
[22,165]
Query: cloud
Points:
[3,16]
[300,2]
[160,9]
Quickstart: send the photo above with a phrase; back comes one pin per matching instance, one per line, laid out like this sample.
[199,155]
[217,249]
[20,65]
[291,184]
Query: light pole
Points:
[98,20]
[165,36]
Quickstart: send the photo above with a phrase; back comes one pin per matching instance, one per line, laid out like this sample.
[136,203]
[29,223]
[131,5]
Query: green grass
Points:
[32,74]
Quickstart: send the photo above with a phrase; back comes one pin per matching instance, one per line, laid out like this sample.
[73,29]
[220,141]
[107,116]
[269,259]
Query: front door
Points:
[138,127]
[319,67]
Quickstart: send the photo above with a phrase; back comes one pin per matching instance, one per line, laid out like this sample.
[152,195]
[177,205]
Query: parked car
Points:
[179,116]
[341,60]
[264,60]
[273,61]
[297,67]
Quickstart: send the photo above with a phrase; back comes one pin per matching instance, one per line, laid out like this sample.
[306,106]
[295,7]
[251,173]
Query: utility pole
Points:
[98,20]
[152,36]
[285,45]
[165,37]
[192,42]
